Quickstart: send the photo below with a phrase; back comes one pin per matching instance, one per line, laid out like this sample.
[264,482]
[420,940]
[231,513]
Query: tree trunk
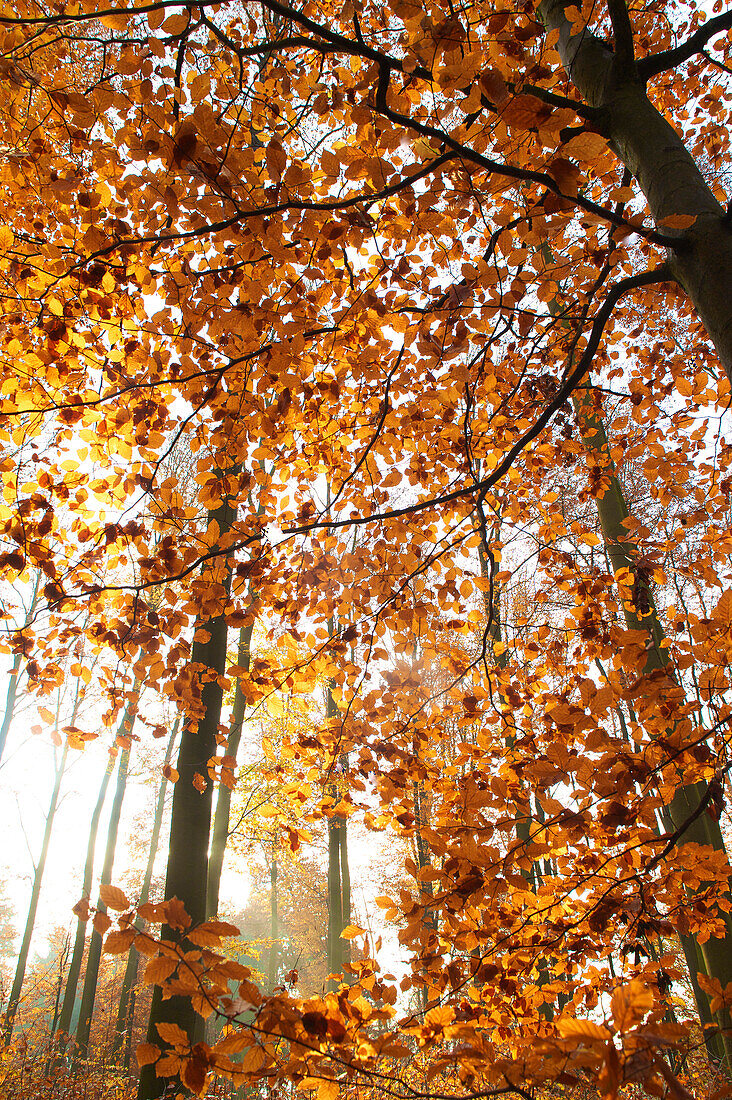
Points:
[91,977]
[77,955]
[14,675]
[665,170]
[612,510]
[273,923]
[33,905]
[336,839]
[220,833]
[190,823]
[63,956]
[345,886]
[126,999]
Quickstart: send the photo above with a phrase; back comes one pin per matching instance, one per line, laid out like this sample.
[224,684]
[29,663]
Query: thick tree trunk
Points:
[665,170]
[612,511]
[91,976]
[33,905]
[125,1008]
[190,823]
[220,832]
[77,955]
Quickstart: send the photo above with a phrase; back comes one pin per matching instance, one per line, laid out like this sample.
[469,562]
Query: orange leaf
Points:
[117,943]
[101,922]
[158,969]
[175,914]
[351,931]
[630,1004]
[583,1029]
[147,1053]
[114,898]
[173,1035]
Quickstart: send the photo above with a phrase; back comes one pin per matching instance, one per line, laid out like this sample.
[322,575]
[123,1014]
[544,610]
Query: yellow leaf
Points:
[351,931]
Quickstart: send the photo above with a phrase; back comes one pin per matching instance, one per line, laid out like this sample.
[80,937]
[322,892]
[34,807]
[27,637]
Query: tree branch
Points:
[660,62]
[659,274]
[622,35]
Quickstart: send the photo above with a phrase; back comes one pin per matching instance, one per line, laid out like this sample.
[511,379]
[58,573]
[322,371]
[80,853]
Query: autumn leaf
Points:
[351,931]
[629,1004]
[117,943]
[113,897]
[101,922]
[175,914]
[147,1053]
[173,1035]
[158,969]
[82,909]
[581,1030]
[253,1060]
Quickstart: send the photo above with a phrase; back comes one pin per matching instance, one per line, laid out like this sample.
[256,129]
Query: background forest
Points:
[365,600]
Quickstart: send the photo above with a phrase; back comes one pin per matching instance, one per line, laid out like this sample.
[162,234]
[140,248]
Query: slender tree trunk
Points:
[345,885]
[423,861]
[77,955]
[125,1009]
[30,920]
[655,154]
[91,977]
[273,923]
[14,676]
[640,614]
[190,824]
[220,833]
[336,839]
[335,911]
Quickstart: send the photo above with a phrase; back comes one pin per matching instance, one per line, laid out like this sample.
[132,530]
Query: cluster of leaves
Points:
[355,263]
[353,1038]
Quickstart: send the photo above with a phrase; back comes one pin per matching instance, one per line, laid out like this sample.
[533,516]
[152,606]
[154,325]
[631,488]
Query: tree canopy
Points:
[404,331]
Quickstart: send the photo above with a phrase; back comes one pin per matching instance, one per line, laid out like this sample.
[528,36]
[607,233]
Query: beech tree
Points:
[383,262]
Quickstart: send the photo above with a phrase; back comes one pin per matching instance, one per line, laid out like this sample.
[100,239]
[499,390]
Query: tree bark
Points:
[91,976]
[665,170]
[273,923]
[337,856]
[14,675]
[220,833]
[77,955]
[126,999]
[190,824]
[612,510]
